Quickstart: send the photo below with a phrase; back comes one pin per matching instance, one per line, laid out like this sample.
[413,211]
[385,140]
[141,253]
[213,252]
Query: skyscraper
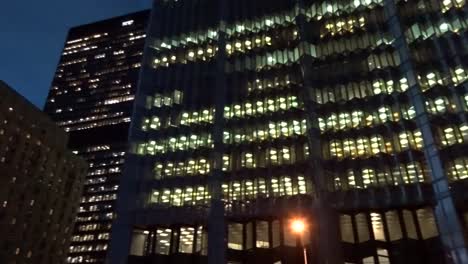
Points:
[91,98]
[350,115]
[40,184]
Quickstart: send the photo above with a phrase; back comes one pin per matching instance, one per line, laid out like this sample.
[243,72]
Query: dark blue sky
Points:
[32,34]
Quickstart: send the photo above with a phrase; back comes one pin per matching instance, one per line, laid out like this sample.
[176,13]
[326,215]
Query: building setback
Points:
[350,114]
[91,98]
[40,184]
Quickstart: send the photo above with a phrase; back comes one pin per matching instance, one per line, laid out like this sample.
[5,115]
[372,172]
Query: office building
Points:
[40,184]
[348,114]
[92,98]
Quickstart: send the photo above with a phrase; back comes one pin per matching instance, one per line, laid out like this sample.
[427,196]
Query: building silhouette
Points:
[40,184]
[92,98]
[349,114]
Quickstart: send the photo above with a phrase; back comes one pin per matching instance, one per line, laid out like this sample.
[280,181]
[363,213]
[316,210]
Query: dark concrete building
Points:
[349,114]
[92,98]
[40,184]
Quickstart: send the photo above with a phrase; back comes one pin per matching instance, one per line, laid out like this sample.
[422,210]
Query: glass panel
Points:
[346,228]
[262,234]
[275,232]
[139,240]
[377,226]
[362,227]
[393,223]
[427,223]
[382,255]
[289,238]
[163,240]
[409,224]
[249,236]
[235,236]
[186,240]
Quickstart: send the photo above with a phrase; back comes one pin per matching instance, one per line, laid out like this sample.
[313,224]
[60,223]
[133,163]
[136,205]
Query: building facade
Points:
[91,98]
[349,114]
[40,184]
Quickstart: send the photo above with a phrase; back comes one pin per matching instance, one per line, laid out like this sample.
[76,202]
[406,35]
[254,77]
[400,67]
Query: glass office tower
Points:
[92,98]
[348,114]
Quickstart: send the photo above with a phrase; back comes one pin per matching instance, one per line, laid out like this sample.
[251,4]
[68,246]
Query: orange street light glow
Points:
[298,226]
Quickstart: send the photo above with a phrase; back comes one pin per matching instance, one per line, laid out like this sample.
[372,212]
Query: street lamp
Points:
[298,227]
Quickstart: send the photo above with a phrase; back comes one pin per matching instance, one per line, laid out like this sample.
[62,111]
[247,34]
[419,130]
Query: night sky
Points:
[33,32]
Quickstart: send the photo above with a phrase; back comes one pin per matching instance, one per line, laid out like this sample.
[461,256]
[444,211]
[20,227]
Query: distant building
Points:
[351,114]
[92,98]
[40,184]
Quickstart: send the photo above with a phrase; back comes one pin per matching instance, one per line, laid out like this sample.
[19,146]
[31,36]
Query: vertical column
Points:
[325,219]
[449,225]
[129,195]
[216,221]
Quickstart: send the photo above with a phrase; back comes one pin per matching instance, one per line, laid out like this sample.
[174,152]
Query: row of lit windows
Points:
[91,118]
[340,26]
[90,237]
[238,29]
[88,248]
[102,189]
[92,227]
[361,89]
[91,37]
[267,235]
[201,166]
[267,105]
[99,198]
[189,240]
[388,226]
[203,53]
[400,174]
[458,169]
[446,5]
[352,43]
[104,163]
[373,145]
[457,76]
[82,259]
[94,217]
[235,190]
[95,208]
[271,156]
[331,8]
[193,195]
[73,62]
[278,82]
[184,118]
[358,118]
[265,131]
[436,28]
[98,180]
[259,41]
[104,171]
[284,57]
[86,48]
[175,97]
[118,100]
[182,142]
[271,187]
[265,23]
[257,62]
[451,135]
[439,105]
